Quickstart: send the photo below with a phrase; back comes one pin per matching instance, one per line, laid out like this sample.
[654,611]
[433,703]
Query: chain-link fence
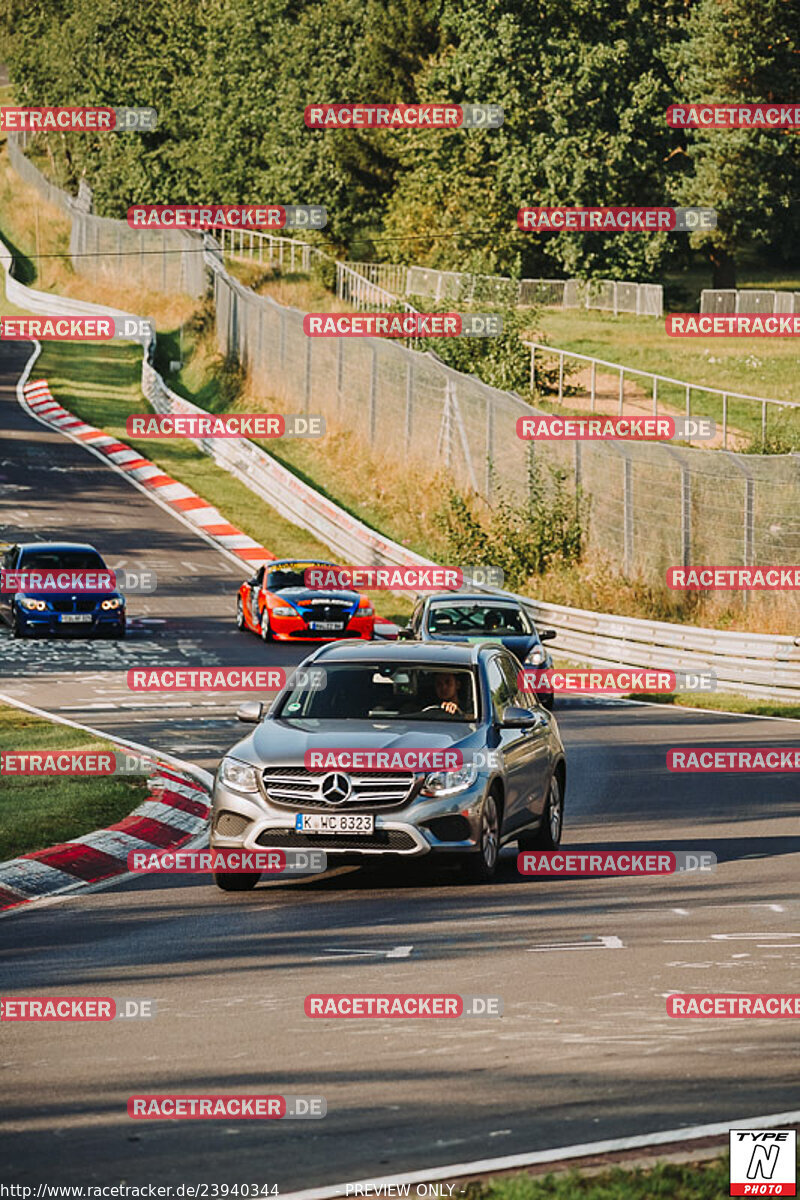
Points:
[650,505]
[165,260]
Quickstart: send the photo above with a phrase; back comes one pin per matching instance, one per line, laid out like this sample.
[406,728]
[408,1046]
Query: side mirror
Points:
[547,635]
[519,718]
[405,633]
[251,712]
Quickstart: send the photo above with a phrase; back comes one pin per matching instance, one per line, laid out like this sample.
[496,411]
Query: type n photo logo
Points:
[763,1162]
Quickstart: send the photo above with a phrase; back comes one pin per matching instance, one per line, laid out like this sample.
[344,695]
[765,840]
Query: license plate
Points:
[75,618]
[334,822]
[335,625]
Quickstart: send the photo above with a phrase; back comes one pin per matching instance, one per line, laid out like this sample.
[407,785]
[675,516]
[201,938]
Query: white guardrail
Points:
[761,666]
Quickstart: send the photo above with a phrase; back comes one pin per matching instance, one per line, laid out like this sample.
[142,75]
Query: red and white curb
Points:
[207,519]
[176,812]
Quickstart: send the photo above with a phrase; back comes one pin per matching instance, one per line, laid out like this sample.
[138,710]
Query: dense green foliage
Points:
[584,87]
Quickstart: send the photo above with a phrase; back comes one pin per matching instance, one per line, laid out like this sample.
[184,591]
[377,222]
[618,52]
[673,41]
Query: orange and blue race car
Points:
[276,604]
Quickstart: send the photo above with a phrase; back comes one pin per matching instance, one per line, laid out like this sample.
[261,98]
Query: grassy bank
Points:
[37,811]
[665,1181]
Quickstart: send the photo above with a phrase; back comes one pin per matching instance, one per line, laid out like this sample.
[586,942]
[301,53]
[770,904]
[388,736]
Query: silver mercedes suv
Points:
[509,783]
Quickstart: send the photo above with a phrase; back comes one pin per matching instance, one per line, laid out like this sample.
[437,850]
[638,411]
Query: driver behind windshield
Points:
[447,693]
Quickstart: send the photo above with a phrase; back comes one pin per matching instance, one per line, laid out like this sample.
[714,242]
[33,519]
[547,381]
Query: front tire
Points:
[548,835]
[266,632]
[17,629]
[240,622]
[482,867]
[232,881]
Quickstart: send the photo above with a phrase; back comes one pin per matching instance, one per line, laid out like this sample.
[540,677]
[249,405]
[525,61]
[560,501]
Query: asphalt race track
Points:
[584,1050]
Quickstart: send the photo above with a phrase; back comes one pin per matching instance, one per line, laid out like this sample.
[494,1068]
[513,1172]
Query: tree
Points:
[740,51]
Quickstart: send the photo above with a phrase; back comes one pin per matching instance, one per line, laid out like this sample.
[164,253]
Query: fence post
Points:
[339,373]
[561,377]
[627,515]
[307,393]
[578,464]
[489,444]
[724,420]
[373,395]
[621,389]
[533,367]
[688,400]
[655,395]
[593,385]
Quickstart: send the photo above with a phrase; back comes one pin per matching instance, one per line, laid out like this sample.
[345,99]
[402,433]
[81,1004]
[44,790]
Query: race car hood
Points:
[297,595]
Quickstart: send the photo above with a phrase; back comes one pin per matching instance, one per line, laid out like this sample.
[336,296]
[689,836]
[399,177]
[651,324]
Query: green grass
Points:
[100,384]
[725,702]
[665,1181]
[756,366]
[37,811]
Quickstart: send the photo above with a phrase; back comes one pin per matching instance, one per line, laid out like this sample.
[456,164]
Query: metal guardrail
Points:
[761,666]
[653,381]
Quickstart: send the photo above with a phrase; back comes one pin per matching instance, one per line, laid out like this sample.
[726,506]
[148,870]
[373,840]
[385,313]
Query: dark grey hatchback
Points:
[509,783]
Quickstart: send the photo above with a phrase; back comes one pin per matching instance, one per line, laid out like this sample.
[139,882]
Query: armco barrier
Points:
[761,666]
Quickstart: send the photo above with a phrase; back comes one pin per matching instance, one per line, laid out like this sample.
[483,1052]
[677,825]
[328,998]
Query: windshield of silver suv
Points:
[390,691]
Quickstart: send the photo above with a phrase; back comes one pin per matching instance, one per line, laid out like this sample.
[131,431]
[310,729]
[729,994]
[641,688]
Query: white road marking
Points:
[395,952]
[601,943]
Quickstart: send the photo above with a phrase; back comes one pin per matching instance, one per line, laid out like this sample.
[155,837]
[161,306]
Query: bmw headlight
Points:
[447,783]
[32,605]
[536,657]
[238,775]
[112,602]
[284,612]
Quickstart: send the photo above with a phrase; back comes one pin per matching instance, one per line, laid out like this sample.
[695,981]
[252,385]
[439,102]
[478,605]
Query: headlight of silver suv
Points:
[238,775]
[447,783]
